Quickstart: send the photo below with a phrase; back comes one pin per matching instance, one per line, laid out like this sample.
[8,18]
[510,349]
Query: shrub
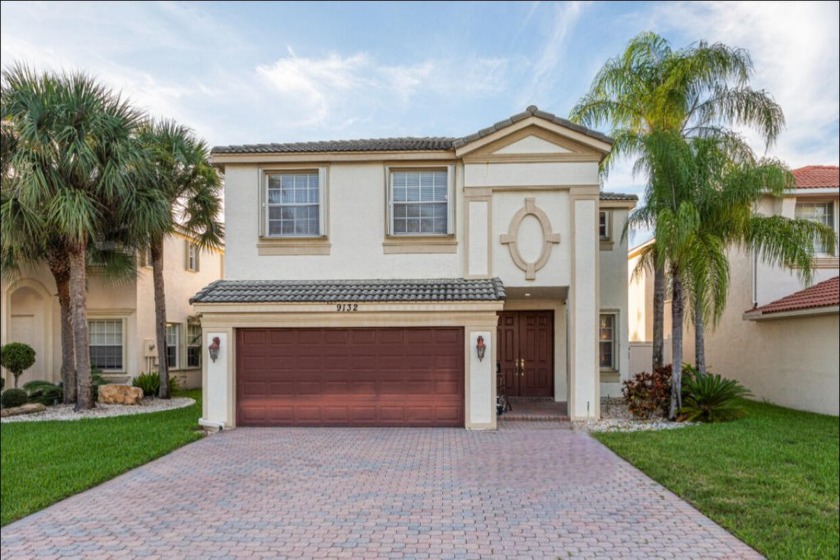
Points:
[2,383]
[13,397]
[96,380]
[150,383]
[648,394]
[44,392]
[710,397]
[17,357]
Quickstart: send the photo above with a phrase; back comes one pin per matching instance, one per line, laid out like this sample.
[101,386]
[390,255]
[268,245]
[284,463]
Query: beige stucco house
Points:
[777,336]
[383,282]
[121,318]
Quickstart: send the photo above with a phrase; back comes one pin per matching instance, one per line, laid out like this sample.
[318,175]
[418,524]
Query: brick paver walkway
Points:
[377,493]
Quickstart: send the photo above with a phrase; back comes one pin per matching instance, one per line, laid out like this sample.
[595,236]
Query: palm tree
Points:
[179,169]
[73,165]
[652,90]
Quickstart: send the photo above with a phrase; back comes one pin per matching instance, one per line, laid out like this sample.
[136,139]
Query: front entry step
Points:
[528,409]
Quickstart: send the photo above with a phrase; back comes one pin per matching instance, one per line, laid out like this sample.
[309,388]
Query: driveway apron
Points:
[528,490]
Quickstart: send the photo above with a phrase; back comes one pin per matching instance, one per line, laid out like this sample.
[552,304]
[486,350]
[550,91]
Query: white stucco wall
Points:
[614,296]
[356,227]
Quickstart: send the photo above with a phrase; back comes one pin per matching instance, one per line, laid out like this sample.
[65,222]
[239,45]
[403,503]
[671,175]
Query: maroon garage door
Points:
[350,377]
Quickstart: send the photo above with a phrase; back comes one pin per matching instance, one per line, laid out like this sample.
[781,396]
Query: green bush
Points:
[96,380]
[44,392]
[2,383]
[150,383]
[17,357]
[13,397]
[648,394]
[710,397]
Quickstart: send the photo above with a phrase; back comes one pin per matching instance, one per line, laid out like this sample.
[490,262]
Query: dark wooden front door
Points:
[526,352]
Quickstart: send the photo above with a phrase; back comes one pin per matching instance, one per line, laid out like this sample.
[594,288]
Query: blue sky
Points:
[279,72]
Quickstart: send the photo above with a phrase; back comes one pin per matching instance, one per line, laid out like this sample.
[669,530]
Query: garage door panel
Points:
[350,377]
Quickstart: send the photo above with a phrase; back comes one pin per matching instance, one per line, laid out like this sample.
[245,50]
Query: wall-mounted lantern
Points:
[480,348]
[214,348]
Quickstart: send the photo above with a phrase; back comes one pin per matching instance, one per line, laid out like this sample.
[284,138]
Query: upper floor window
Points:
[604,225]
[420,202]
[294,204]
[821,212]
[192,257]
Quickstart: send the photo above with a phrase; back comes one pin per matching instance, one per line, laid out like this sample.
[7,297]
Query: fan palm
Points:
[178,168]
[72,172]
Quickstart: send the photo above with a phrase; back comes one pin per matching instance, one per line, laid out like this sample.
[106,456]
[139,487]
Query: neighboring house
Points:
[380,282]
[121,317]
[777,336]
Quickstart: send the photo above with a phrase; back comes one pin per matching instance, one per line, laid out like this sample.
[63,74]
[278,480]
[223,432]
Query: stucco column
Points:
[583,305]
[217,380]
[480,394]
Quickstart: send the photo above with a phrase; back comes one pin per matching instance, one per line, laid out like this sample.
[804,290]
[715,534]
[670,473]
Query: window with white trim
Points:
[607,342]
[106,344]
[420,202]
[604,225]
[821,212]
[294,204]
[192,257]
[173,336]
[193,345]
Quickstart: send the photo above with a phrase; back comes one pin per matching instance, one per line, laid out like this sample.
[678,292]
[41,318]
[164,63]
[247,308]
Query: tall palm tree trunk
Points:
[677,340]
[658,315]
[60,268]
[78,309]
[699,340]
[160,316]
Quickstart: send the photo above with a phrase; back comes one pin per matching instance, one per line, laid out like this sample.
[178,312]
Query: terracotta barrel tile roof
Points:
[817,176]
[824,294]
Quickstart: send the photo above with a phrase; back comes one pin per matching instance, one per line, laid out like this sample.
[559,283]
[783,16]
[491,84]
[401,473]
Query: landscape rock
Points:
[120,394]
[28,408]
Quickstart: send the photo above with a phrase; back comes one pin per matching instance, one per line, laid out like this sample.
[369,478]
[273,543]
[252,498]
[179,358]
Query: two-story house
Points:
[121,317]
[383,282]
[776,336]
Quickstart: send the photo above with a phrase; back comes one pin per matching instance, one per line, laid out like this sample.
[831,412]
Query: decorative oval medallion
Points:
[511,239]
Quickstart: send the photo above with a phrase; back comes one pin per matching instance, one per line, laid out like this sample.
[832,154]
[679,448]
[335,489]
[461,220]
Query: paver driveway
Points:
[531,490]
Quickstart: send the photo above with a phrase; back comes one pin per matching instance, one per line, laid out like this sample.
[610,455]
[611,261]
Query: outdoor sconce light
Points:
[214,348]
[480,347]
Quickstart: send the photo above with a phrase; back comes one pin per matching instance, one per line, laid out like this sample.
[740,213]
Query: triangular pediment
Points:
[533,145]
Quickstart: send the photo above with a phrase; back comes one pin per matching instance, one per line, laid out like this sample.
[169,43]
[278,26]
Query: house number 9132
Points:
[347,307]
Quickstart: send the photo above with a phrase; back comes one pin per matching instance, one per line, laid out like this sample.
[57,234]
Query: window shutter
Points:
[197,258]
[186,254]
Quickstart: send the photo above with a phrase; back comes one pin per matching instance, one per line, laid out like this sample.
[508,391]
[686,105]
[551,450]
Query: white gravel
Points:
[65,412]
[616,418]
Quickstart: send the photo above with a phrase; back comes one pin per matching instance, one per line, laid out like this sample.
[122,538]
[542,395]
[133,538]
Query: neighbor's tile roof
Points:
[817,176]
[824,294]
[617,196]
[403,144]
[332,291]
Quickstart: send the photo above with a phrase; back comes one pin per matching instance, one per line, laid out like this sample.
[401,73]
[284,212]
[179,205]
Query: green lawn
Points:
[44,462]
[771,478]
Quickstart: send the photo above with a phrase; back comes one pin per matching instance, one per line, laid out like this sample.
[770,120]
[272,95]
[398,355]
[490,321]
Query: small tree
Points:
[17,357]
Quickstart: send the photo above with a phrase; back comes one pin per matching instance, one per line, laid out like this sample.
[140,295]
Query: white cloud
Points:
[323,91]
[794,50]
